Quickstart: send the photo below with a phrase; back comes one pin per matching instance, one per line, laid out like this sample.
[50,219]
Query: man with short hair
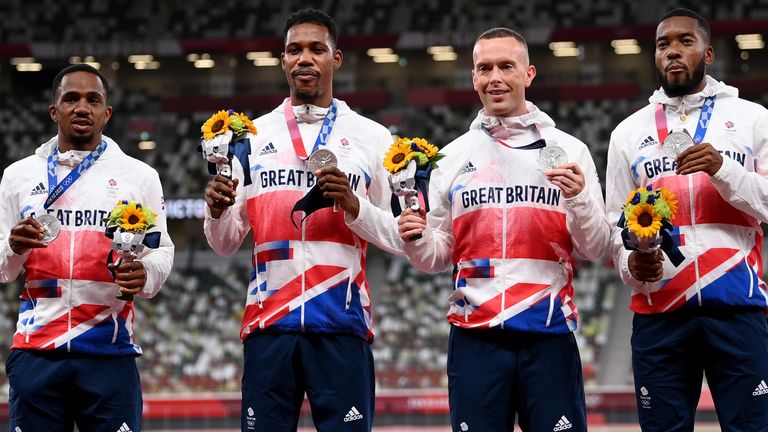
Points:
[705,316]
[511,201]
[308,323]
[73,356]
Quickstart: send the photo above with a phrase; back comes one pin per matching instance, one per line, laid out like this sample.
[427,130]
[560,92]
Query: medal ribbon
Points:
[701,127]
[55,189]
[293,128]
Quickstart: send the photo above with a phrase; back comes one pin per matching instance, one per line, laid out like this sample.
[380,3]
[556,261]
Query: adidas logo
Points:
[39,190]
[464,426]
[268,149]
[648,141]
[469,168]
[352,415]
[562,424]
[761,389]
[124,428]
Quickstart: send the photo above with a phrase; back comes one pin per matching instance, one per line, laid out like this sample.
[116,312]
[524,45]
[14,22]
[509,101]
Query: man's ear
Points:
[338,57]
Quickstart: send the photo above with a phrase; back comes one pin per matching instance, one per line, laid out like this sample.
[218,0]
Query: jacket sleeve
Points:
[226,234]
[10,263]
[585,213]
[159,261]
[619,183]
[742,188]
[375,222]
[433,252]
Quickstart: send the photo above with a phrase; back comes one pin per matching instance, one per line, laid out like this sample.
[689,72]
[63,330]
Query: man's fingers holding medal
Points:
[335,185]
[26,234]
[702,157]
[568,177]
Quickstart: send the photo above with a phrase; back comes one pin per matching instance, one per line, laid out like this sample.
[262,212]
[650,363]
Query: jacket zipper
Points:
[695,239]
[303,270]
[69,294]
[503,259]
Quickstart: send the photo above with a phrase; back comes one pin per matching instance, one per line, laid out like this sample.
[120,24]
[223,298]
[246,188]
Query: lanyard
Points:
[293,128]
[539,143]
[56,189]
[701,127]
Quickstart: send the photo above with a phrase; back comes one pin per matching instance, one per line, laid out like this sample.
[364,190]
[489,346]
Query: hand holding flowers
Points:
[646,219]
[127,226]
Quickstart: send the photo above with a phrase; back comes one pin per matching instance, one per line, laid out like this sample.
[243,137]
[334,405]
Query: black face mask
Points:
[311,202]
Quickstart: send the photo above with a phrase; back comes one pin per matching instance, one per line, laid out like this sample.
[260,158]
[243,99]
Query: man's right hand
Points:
[218,194]
[411,223]
[646,266]
[26,235]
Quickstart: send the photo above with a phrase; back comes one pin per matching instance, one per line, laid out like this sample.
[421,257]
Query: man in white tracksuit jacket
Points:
[705,316]
[308,320]
[509,228]
[73,354]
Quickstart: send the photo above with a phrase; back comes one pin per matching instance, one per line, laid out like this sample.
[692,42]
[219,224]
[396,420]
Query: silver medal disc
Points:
[52,227]
[676,143]
[551,157]
[321,158]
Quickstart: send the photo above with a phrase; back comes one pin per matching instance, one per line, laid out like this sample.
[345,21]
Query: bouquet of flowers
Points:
[223,138]
[127,226]
[647,222]
[223,121]
[410,162]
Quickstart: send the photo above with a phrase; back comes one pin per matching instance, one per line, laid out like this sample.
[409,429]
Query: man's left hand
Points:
[335,186]
[568,177]
[702,157]
[130,275]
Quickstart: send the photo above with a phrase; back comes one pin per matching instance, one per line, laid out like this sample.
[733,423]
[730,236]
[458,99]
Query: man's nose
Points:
[82,107]
[495,74]
[305,57]
[674,50]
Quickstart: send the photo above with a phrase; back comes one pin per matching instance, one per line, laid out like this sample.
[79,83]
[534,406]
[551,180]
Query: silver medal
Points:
[676,143]
[551,157]
[321,158]
[52,227]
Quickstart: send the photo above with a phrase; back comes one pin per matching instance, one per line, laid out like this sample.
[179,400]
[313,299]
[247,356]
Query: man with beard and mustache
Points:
[705,315]
[73,359]
[308,324]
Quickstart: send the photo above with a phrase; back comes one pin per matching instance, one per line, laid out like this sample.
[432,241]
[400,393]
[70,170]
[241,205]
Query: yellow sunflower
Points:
[428,149]
[216,125]
[133,218]
[248,123]
[643,221]
[398,155]
[671,200]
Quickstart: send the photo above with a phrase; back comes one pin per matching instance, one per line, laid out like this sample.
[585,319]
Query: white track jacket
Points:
[68,302]
[507,231]
[718,219]
[311,278]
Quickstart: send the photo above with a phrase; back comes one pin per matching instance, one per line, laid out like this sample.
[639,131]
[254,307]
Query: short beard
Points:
[687,86]
[81,139]
[307,97]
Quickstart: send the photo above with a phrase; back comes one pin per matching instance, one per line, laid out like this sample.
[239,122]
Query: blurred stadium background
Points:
[407,65]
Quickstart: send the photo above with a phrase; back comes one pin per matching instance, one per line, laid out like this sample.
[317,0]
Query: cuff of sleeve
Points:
[224,216]
[580,198]
[725,170]
[147,290]
[7,250]
[362,213]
